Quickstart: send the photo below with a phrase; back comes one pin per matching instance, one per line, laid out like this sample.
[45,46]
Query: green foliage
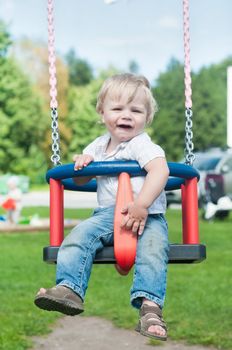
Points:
[168,126]
[133,67]
[83,118]
[80,71]
[21,119]
[5,40]
[209,108]
[21,122]
[209,99]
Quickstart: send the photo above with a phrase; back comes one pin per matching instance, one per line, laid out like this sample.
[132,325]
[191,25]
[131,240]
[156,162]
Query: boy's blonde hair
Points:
[119,84]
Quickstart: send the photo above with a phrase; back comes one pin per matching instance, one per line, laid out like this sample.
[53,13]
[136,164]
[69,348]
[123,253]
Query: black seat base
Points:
[178,254]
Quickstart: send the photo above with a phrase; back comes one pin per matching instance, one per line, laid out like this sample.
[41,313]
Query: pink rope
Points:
[187,69]
[51,55]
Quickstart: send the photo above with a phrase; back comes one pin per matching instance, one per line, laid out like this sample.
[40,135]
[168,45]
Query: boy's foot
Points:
[61,299]
[151,323]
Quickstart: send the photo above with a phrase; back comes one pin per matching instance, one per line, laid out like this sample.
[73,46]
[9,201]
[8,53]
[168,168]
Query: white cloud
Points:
[109,2]
[169,22]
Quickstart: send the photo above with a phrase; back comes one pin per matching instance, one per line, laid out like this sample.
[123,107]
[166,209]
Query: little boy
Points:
[13,201]
[125,104]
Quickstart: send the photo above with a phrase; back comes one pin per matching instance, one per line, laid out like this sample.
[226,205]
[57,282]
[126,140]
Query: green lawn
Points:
[198,307]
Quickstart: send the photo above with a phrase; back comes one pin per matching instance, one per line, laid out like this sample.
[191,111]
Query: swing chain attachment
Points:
[55,158]
[189,146]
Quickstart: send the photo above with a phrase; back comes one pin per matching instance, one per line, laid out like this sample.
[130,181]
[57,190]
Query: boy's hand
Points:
[136,217]
[81,160]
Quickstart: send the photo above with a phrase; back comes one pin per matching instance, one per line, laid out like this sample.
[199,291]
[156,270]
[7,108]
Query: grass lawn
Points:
[198,306]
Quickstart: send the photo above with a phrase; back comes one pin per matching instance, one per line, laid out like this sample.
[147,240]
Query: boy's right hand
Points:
[81,160]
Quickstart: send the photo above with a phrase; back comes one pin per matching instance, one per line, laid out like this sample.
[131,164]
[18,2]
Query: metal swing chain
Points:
[189,146]
[55,158]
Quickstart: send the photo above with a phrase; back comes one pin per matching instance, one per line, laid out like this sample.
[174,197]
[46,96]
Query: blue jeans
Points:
[78,250]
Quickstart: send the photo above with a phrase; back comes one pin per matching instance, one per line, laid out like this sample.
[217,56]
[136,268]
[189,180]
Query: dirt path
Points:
[93,333]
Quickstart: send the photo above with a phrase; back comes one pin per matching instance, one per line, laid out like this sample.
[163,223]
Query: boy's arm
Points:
[155,181]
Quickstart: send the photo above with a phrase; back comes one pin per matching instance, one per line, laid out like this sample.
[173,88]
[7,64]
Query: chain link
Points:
[189,146]
[55,158]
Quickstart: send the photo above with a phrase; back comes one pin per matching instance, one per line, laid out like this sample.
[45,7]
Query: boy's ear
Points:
[102,117]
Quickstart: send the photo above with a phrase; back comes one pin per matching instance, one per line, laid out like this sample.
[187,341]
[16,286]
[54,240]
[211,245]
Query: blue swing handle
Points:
[178,173]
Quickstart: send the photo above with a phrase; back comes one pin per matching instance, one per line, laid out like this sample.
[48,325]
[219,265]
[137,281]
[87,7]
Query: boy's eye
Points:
[137,111]
[116,109]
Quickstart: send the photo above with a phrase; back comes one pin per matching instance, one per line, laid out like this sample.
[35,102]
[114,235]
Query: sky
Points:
[147,31]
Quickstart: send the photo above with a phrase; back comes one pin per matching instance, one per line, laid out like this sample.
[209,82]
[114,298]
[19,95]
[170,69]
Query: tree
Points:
[209,108]
[80,71]
[5,40]
[209,96]
[21,119]
[33,59]
[83,119]
[133,67]
[168,126]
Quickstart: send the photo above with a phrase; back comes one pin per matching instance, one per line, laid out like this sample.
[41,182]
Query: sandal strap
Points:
[152,319]
[151,316]
[150,309]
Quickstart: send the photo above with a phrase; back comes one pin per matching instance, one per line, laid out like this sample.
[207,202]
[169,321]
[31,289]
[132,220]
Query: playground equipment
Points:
[182,176]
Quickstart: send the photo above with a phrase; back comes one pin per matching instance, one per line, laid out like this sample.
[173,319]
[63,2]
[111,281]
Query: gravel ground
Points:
[93,333]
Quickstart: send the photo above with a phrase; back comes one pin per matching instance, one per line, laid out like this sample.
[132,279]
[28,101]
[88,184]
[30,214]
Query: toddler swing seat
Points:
[181,176]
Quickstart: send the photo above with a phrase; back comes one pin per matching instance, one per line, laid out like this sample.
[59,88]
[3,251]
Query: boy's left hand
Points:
[135,218]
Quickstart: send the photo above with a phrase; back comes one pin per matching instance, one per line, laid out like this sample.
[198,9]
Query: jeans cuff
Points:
[137,299]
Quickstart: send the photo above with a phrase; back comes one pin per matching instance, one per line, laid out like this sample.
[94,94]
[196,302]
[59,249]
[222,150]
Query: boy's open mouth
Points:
[124,126]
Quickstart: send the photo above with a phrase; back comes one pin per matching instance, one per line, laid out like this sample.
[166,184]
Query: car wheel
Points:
[222,214]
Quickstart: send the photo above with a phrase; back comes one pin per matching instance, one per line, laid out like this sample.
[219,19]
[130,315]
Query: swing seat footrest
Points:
[178,254]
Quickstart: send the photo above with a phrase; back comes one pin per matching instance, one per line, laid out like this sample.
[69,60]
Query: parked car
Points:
[215,167]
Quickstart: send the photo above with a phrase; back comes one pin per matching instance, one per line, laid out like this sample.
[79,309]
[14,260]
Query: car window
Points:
[206,163]
[228,163]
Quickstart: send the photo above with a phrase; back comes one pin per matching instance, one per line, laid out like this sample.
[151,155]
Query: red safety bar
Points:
[56,213]
[125,241]
[190,226]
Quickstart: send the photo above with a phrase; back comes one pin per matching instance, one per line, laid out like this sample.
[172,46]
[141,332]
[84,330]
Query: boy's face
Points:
[123,119]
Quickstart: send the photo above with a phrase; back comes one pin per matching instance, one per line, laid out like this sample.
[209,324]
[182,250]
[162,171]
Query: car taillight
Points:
[212,180]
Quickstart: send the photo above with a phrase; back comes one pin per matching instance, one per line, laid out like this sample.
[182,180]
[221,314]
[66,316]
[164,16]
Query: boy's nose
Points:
[126,115]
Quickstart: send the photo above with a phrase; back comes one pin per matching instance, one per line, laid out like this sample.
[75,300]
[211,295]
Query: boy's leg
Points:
[151,263]
[74,263]
[149,284]
[78,250]
[9,216]
[16,216]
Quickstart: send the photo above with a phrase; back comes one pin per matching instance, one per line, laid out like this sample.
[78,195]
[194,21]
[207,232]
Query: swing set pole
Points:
[190,224]
[56,213]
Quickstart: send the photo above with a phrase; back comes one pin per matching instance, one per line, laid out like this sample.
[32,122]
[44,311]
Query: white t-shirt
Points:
[141,149]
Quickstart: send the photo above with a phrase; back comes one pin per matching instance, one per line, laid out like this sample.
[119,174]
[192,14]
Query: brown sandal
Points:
[61,299]
[151,316]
